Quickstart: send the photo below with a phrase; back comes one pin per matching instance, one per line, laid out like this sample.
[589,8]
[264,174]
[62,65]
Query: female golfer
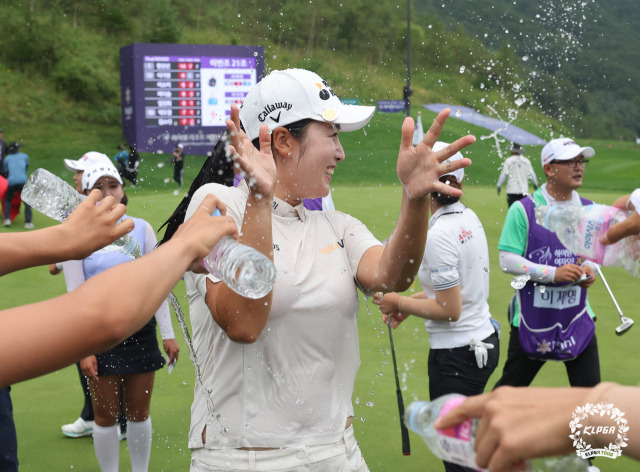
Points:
[126,371]
[278,372]
[455,278]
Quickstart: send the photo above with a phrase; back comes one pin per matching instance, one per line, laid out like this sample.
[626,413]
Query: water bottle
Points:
[455,444]
[245,270]
[55,198]
[579,229]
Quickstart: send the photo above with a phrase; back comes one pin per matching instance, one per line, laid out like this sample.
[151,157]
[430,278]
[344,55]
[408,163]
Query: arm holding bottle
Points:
[45,336]
[628,227]
[90,227]
[502,444]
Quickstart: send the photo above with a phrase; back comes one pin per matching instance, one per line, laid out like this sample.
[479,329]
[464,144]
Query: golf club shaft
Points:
[406,447]
[609,290]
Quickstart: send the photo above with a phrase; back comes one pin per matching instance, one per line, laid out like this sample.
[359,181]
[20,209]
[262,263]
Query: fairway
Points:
[43,405]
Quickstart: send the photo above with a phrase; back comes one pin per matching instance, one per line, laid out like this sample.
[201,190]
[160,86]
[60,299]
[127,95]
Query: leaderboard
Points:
[182,93]
[194,91]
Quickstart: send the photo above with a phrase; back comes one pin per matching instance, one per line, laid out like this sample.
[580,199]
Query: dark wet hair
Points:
[444,199]
[217,168]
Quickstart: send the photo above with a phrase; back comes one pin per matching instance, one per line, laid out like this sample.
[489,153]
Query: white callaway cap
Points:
[85,161]
[286,96]
[96,171]
[564,149]
[458,173]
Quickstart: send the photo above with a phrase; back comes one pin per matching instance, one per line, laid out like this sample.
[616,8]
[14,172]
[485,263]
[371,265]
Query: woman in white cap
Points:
[278,372]
[126,371]
[454,275]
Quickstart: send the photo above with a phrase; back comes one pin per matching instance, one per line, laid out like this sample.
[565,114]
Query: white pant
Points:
[343,456]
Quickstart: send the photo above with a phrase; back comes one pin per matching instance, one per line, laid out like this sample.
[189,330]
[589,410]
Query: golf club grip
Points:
[406,446]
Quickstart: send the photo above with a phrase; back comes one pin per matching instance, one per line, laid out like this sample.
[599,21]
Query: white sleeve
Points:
[73,274]
[443,255]
[502,178]
[634,198]
[163,315]
[515,264]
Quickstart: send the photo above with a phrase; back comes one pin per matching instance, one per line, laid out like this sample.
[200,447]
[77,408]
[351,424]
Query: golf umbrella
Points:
[504,129]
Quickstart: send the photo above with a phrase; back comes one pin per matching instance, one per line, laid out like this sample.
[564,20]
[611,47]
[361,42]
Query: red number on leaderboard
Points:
[185,65]
[187,121]
[186,93]
[184,84]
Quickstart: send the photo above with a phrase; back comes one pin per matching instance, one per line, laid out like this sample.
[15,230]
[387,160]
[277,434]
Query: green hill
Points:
[60,79]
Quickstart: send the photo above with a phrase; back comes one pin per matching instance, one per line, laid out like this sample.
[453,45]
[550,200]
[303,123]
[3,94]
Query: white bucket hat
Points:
[286,96]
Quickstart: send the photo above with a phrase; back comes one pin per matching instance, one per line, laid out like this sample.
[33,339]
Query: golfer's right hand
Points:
[628,227]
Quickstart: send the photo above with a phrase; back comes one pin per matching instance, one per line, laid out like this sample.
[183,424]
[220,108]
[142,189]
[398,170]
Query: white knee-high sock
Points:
[139,442]
[105,443]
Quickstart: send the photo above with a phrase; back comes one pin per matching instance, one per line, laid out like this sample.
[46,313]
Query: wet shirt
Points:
[293,386]
[456,253]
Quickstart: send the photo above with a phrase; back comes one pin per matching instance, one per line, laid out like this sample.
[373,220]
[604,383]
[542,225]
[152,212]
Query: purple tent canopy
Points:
[506,130]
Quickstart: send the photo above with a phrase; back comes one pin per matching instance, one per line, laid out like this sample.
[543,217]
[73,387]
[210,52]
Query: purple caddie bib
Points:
[554,321]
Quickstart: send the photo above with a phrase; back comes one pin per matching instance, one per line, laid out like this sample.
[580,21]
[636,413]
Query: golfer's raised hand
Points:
[419,167]
[93,225]
[259,165]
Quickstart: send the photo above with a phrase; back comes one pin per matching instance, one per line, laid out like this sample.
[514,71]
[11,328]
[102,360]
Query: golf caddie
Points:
[550,316]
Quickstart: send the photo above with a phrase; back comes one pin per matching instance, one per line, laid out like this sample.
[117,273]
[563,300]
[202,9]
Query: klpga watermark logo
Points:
[612,424]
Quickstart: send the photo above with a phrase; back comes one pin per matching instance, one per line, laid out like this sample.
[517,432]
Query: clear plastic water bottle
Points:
[456,444]
[579,229]
[55,198]
[245,270]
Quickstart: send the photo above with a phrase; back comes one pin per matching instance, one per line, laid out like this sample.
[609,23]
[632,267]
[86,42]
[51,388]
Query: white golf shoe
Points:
[78,429]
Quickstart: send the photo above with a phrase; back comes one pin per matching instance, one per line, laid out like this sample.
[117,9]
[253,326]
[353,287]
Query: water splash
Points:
[173,301]
[519,281]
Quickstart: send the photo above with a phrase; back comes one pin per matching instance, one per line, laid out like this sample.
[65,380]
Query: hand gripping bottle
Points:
[245,270]
[55,198]
[579,229]
[456,444]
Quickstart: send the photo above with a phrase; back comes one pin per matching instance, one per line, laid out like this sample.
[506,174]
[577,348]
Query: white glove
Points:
[635,199]
[480,350]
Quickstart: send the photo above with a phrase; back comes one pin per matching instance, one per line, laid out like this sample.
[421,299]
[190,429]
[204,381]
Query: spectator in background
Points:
[121,159]
[131,170]
[3,153]
[16,164]
[518,170]
[178,166]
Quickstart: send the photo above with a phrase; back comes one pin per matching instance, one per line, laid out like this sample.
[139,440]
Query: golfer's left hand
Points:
[172,349]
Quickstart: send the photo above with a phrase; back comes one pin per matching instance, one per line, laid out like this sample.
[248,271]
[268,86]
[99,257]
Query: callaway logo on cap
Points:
[284,97]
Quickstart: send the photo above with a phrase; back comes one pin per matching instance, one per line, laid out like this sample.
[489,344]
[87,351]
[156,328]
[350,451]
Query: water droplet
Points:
[519,281]
[462,69]
[369,404]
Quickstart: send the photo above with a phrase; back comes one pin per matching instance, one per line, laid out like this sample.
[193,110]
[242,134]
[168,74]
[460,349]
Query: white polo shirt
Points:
[518,170]
[293,386]
[456,253]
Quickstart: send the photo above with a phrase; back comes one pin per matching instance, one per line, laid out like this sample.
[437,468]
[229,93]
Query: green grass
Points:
[366,188]
[42,405]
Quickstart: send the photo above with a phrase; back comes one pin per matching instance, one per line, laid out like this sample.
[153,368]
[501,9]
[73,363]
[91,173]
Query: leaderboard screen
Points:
[181,93]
